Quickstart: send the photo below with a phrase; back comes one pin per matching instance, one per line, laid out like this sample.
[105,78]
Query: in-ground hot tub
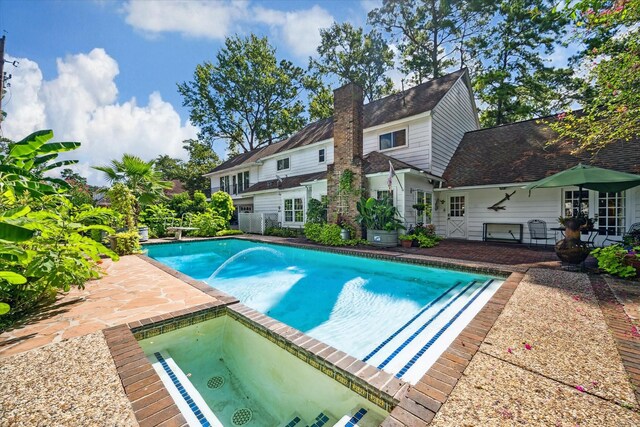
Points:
[222,373]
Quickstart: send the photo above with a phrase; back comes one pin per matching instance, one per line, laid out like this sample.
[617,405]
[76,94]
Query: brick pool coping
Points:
[624,332]
[410,405]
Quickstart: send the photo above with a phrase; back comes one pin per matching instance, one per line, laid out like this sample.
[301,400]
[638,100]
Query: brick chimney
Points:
[347,154]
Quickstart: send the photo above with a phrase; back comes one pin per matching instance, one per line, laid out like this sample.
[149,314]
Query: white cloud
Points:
[80,104]
[300,29]
[194,18]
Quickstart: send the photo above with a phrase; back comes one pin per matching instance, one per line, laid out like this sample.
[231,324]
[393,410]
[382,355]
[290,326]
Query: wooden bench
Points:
[178,231]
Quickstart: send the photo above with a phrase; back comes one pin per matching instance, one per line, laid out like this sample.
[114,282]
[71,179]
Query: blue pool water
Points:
[352,303]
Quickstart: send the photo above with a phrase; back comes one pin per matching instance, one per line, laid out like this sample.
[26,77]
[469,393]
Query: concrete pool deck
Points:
[479,383]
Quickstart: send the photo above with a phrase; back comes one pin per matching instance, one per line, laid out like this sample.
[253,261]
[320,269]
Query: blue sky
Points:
[105,72]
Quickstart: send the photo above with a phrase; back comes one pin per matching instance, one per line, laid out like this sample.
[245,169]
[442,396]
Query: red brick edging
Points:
[622,329]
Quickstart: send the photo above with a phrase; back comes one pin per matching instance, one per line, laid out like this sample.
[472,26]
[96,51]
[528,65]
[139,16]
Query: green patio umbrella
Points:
[589,177]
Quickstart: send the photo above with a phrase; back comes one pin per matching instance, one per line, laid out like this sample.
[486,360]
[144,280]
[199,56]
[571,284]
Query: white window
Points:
[321,155]
[224,184]
[243,181]
[571,200]
[293,210]
[611,213]
[283,164]
[234,188]
[423,207]
[384,194]
[393,139]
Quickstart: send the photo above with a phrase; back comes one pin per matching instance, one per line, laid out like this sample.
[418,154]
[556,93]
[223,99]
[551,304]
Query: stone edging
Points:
[622,329]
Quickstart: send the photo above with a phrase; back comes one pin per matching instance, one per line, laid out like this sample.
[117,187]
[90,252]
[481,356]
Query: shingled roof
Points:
[416,100]
[376,162]
[518,153]
[284,183]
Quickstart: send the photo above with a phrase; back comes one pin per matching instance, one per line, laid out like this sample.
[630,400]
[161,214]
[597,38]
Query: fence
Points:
[256,223]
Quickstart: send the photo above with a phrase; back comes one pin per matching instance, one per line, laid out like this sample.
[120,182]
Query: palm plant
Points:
[140,177]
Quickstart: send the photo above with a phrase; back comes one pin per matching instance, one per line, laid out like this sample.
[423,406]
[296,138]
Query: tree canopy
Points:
[612,109]
[355,57]
[246,97]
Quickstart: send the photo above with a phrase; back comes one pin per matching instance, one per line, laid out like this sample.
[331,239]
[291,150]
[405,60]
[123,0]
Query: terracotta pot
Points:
[406,243]
[572,251]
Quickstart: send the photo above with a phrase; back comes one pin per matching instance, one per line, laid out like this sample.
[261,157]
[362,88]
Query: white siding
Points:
[452,117]
[301,162]
[266,203]
[544,204]
[418,148]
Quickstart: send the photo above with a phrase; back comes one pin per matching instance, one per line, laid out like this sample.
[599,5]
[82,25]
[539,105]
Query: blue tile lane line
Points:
[403,327]
[320,420]
[187,398]
[356,417]
[293,422]
[441,331]
[423,327]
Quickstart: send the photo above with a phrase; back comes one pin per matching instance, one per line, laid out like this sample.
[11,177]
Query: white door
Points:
[456,220]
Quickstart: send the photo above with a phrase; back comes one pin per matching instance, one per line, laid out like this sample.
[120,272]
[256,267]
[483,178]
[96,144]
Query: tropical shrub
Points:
[222,205]
[316,211]
[376,214]
[328,234]
[157,218]
[611,260]
[127,242]
[208,224]
[123,201]
[183,204]
[44,239]
[140,177]
[425,235]
[283,232]
[228,233]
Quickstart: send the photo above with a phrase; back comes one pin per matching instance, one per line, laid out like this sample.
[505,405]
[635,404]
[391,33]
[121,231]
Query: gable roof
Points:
[518,153]
[418,99]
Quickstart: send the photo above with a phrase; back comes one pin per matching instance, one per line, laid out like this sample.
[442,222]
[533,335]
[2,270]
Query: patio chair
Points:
[538,231]
[610,232]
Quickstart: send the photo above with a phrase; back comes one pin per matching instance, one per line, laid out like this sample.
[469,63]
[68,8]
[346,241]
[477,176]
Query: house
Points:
[482,195]
[416,131]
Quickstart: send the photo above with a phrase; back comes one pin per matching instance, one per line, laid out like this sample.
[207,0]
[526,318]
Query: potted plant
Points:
[345,227]
[571,249]
[379,218]
[406,240]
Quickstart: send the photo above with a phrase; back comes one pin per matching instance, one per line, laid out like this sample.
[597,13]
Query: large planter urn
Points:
[383,238]
[571,249]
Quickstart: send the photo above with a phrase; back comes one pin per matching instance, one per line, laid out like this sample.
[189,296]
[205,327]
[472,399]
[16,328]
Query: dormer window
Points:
[321,155]
[393,139]
[283,164]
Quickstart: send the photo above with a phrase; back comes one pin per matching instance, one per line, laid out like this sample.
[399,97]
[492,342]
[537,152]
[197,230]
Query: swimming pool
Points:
[221,373]
[395,316]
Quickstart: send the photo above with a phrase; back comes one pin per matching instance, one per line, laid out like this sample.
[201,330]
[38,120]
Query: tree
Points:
[353,56]
[246,97]
[429,33]
[202,159]
[320,97]
[169,168]
[513,81]
[139,176]
[612,111]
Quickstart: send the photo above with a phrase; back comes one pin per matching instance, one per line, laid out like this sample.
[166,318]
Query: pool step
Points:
[187,398]
[324,418]
[355,419]
[410,351]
